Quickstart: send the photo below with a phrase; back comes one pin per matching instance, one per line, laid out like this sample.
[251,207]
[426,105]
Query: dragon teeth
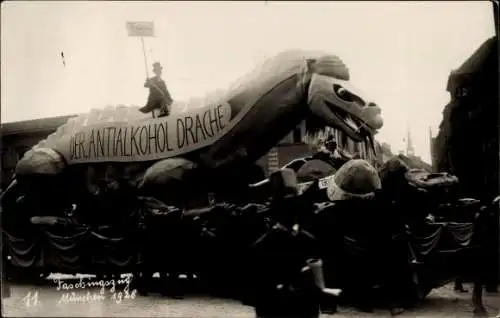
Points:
[351,123]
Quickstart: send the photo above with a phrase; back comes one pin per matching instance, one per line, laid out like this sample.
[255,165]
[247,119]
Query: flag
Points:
[140,28]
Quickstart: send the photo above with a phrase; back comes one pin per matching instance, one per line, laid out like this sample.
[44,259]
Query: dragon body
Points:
[223,132]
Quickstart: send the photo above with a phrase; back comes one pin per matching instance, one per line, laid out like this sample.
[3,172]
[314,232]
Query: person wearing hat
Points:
[287,279]
[356,179]
[159,97]
[362,213]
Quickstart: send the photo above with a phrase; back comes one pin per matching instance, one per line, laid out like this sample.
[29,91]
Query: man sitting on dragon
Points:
[159,96]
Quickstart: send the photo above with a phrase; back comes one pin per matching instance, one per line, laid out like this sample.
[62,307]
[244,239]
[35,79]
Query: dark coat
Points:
[279,257]
[159,96]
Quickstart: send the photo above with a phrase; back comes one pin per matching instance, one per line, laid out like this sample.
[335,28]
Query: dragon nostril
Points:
[370,104]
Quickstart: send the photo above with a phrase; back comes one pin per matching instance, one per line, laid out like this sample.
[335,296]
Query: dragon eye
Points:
[342,92]
[345,95]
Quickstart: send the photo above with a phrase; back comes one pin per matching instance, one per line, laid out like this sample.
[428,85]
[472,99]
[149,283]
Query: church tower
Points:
[410,150]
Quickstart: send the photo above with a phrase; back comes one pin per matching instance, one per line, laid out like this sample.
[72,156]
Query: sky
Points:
[399,53]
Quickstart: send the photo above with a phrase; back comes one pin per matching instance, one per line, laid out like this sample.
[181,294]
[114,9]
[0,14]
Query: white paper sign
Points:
[324,182]
[140,28]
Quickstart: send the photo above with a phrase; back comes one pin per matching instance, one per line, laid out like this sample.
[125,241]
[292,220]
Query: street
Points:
[64,297]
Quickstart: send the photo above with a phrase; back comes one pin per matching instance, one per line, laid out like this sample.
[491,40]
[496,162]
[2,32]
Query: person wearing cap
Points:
[288,278]
[356,179]
[361,213]
[159,96]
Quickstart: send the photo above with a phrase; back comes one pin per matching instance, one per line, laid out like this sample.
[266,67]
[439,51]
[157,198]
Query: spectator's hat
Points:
[355,179]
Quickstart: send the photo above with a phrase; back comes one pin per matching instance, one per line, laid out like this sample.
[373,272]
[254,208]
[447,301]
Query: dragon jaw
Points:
[337,104]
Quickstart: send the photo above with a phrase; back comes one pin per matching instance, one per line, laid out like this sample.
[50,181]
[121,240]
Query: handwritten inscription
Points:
[166,136]
[88,297]
[78,292]
[31,299]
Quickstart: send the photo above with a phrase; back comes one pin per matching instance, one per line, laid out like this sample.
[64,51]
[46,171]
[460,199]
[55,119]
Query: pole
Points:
[146,65]
[145,57]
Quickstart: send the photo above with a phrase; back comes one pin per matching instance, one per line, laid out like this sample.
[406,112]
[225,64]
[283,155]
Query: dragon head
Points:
[336,103]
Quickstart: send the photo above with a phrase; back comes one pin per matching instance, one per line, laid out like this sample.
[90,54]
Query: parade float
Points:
[116,191]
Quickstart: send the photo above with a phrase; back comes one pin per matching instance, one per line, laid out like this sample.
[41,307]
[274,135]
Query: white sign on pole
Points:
[141,28]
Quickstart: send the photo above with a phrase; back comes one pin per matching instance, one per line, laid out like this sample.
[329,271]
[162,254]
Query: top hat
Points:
[157,66]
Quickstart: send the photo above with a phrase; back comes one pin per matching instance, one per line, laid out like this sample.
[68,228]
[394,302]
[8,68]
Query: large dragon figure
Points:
[208,144]
[221,134]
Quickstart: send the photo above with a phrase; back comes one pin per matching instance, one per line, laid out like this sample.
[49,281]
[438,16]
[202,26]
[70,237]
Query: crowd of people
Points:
[354,241]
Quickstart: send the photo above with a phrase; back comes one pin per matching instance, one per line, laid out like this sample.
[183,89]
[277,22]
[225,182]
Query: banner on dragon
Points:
[149,140]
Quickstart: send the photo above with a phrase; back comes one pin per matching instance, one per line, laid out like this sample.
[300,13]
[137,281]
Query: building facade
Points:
[467,144]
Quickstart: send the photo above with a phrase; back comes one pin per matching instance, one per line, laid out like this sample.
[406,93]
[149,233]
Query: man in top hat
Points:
[159,97]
